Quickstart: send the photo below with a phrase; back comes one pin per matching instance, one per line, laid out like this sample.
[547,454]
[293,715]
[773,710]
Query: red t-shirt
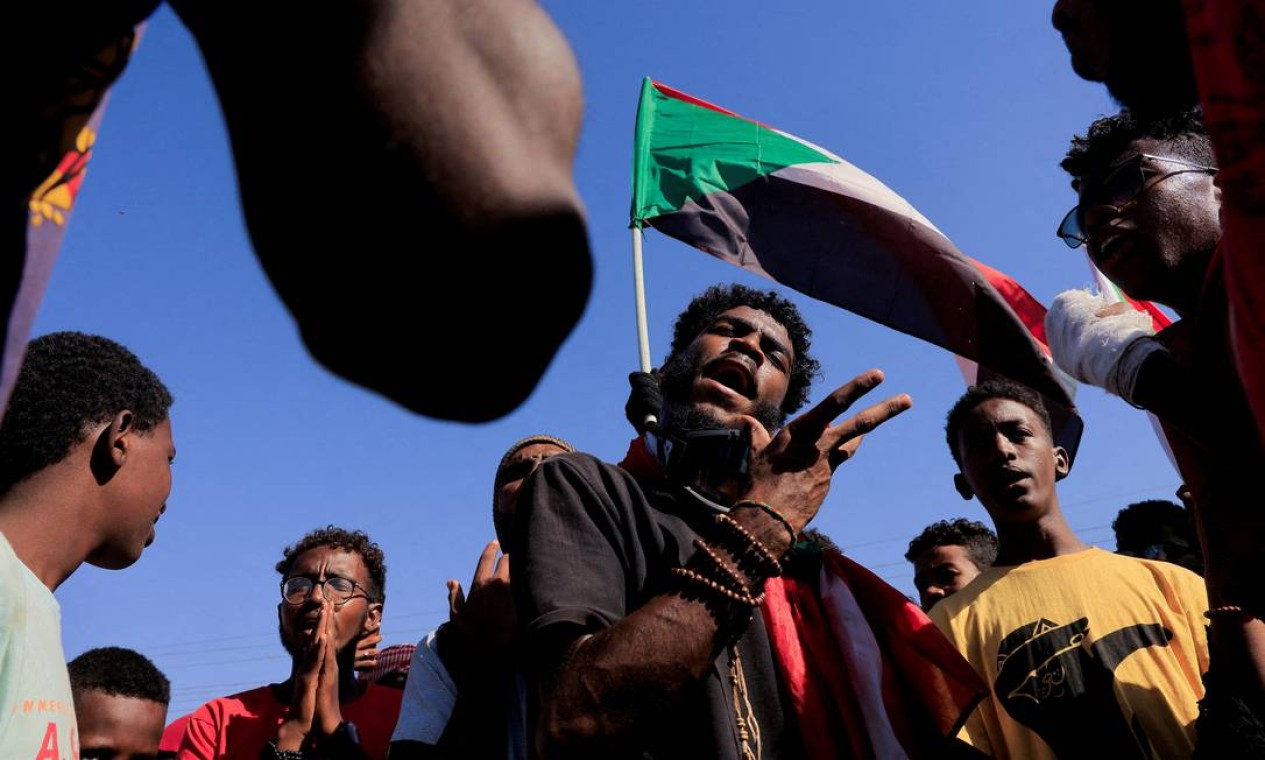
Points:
[239,726]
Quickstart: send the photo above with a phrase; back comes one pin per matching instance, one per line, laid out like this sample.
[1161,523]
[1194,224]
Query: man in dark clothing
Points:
[1153,220]
[637,584]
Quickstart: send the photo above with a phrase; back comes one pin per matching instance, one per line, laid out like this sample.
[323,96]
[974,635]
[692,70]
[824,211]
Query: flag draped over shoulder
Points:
[795,213]
[867,674]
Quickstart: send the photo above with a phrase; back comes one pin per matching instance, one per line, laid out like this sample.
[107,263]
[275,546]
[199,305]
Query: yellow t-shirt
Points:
[1088,655]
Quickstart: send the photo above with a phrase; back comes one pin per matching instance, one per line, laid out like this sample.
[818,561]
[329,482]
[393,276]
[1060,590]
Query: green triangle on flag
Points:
[686,148]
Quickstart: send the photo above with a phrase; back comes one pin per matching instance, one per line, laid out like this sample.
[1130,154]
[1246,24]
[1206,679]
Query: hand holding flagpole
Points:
[651,421]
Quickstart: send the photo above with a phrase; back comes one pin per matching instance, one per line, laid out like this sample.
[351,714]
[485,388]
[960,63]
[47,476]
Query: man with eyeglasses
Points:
[1151,217]
[1158,57]
[333,586]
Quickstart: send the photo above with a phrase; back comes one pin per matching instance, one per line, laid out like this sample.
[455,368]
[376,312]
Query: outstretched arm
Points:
[405,171]
[611,684]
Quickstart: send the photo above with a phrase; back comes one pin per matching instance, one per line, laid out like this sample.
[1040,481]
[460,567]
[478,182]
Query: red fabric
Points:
[397,658]
[640,463]
[1029,310]
[1226,37]
[928,687]
[239,726]
[826,713]
[174,734]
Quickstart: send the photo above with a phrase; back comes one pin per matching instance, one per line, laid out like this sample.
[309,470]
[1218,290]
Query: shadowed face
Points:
[1009,461]
[137,496]
[1157,244]
[112,727]
[1138,48]
[740,364]
[509,479]
[351,617]
[942,571]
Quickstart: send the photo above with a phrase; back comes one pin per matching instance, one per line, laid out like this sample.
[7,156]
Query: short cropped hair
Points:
[980,540]
[716,300]
[1108,137]
[334,537]
[993,389]
[70,381]
[1138,524]
[118,672]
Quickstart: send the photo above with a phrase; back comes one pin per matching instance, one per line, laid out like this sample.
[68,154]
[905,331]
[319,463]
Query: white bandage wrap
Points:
[1102,351]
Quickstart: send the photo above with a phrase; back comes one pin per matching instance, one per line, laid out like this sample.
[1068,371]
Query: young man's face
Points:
[942,571]
[138,493]
[118,728]
[740,364]
[1009,461]
[1156,244]
[298,620]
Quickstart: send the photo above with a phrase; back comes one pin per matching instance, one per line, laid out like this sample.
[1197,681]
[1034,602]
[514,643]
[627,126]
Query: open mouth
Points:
[1112,247]
[733,373]
[1009,478]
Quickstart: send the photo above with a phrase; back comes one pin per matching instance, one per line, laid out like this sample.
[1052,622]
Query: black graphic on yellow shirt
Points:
[1055,683]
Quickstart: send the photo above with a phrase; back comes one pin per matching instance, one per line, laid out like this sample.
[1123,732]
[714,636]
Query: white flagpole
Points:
[643,333]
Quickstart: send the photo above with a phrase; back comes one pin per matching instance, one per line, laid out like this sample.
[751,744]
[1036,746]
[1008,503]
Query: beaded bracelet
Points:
[704,581]
[752,546]
[1227,610]
[284,754]
[771,512]
[738,581]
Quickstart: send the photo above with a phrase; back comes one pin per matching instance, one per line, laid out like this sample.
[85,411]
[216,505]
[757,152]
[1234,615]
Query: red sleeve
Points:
[1226,40]
[201,737]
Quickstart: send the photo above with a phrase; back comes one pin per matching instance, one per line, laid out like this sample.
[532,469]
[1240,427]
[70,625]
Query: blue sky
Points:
[964,110]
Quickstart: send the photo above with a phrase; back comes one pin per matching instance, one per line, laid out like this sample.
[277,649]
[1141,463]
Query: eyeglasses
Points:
[337,589]
[1125,182]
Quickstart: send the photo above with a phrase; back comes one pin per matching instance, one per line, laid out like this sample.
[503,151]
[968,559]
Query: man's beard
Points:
[676,380]
[1151,72]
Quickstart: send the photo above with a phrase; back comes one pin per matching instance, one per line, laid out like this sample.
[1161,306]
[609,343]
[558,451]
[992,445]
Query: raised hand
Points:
[298,723]
[792,470]
[485,618]
[367,648]
[328,713]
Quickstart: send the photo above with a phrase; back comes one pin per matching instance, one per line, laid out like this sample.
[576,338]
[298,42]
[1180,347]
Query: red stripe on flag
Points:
[672,92]
[1028,309]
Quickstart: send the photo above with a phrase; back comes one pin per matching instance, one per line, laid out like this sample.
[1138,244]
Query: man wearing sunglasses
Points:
[1150,216]
[333,585]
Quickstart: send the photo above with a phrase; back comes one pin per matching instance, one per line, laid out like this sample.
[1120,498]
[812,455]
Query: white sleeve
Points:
[429,696]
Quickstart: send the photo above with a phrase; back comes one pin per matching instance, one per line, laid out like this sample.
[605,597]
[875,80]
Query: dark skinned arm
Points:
[612,683]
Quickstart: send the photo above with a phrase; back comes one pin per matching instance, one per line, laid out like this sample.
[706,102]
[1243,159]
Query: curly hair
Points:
[978,394]
[118,672]
[979,539]
[333,537]
[1139,523]
[1110,136]
[716,300]
[69,382]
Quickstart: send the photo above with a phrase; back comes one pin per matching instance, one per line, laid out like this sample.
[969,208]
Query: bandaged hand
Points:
[1098,342]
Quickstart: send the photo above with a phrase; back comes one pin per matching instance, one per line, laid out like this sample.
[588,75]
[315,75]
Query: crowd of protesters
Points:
[675,604]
